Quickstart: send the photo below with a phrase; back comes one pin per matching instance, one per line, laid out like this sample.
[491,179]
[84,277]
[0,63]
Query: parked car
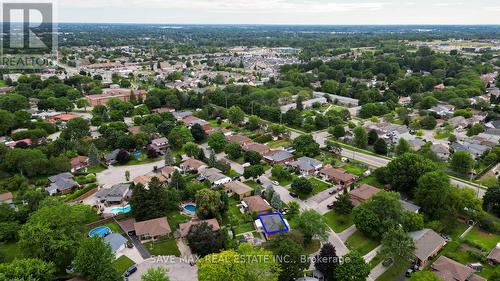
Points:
[334,191]
[275,183]
[447,238]
[330,206]
[387,262]
[131,270]
[345,160]
[294,195]
[409,272]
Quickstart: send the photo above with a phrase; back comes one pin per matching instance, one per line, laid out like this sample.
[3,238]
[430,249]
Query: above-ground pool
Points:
[100,231]
[190,208]
[121,210]
[137,154]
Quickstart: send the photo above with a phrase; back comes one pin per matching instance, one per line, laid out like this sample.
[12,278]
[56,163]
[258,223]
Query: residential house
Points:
[278,157]
[342,100]
[61,183]
[363,193]
[167,172]
[180,115]
[215,176]
[409,206]
[458,122]
[159,144]
[116,194]
[163,110]
[238,189]
[427,245]
[338,176]
[262,149]
[63,117]
[193,165]
[494,256]
[134,130]
[441,151]
[307,166]
[475,149]
[116,241]
[18,143]
[271,224]
[184,228]
[6,198]
[146,179]
[152,229]
[450,270]
[110,158]
[255,204]
[191,120]
[404,101]
[79,163]
[127,226]
[442,110]
[416,144]
[240,139]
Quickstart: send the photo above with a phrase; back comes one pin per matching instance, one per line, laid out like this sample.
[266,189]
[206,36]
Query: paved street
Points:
[116,174]
[178,269]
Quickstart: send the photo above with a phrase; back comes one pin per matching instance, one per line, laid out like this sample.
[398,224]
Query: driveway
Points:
[140,247]
[178,269]
[116,174]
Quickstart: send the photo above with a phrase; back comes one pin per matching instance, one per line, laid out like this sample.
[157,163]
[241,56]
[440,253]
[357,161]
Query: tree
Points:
[399,245]
[424,276]
[155,274]
[179,136]
[191,149]
[355,270]
[217,141]
[276,201]
[360,137]
[491,200]
[198,133]
[13,102]
[306,145]
[402,147]
[475,130]
[93,156]
[94,260]
[302,186]
[154,201]
[245,264]
[76,129]
[252,157]
[279,172]
[338,131]
[233,150]
[372,137]
[432,194]
[169,160]
[312,225]
[52,234]
[212,159]
[462,162]
[294,265]
[403,172]
[177,181]
[122,157]
[327,261]
[208,203]
[82,103]
[428,123]
[235,115]
[333,147]
[253,171]
[27,269]
[203,240]
[343,205]
[380,147]
[293,208]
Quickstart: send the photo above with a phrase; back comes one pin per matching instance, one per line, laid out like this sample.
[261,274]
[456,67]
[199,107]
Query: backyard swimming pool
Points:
[190,208]
[100,231]
[121,210]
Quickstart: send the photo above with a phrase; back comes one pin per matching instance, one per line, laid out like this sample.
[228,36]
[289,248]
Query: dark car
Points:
[387,262]
[294,195]
[131,270]
[330,206]
[334,191]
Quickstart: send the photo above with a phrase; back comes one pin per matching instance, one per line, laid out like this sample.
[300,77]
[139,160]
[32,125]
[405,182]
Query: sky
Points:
[325,12]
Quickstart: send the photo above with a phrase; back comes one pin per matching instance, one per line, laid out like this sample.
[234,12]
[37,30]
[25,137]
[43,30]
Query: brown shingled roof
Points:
[184,227]
[154,227]
[6,196]
[257,204]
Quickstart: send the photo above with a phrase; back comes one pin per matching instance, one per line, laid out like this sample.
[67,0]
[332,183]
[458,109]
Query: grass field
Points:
[253,184]
[163,247]
[371,180]
[338,222]
[486,240]
[318,186]
[394,272]
[115,228]
[122,263]
[175,218]
[359,242]
[243,228]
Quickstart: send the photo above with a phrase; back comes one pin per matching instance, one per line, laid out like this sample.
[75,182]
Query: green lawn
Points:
[371,180]
[318,186]
[377,260]
[115,228]
[243,228]
[279,143]
[96,169]
[163,247]
[456,231]
[464,254]
[10,251]
[338,222]
[486,240]
[175,218]
[2,83]
[353,169]
[253,184]
[359,242]
[394,272]
[232,174]
[143,159]
[122,264]
[283,182]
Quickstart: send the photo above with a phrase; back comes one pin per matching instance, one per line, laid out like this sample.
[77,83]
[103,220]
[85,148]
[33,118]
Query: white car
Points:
[275,183]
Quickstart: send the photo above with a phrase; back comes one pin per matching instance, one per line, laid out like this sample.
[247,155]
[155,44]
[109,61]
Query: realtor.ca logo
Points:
[29,35]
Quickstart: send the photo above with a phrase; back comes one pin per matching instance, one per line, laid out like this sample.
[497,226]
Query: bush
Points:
[488,224]
[264,138]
